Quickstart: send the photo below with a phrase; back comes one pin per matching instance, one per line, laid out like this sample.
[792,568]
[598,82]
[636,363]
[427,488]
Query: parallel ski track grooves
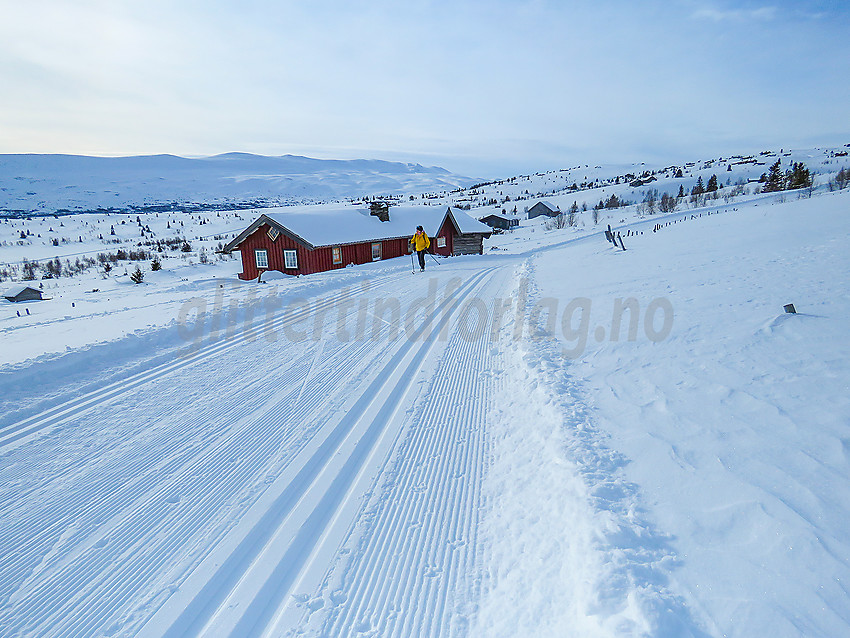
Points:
[244,405]
[155,498]
[300,554]
[119,486]
[421,530]
[194,618]
[16,431]
[75,578]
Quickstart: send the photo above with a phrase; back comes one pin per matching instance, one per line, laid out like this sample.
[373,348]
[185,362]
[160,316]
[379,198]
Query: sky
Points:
[495,88]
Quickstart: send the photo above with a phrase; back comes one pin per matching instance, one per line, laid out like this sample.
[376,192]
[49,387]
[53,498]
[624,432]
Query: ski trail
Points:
[17,431]
[260,561]
[335,474]
[150,495]
[411,569]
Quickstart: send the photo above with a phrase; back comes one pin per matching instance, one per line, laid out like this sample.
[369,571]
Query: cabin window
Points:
[262,258]
[441,242]
[290,259]
[273,233]
[337,254]
[376,251]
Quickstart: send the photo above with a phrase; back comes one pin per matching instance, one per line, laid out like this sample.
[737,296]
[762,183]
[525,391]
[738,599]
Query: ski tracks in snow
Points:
[435,482]
[414,567]
[190,504]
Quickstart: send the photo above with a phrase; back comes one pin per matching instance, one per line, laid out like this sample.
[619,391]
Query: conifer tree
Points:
[799,176]
[699,187]
[775,179]
[612,202]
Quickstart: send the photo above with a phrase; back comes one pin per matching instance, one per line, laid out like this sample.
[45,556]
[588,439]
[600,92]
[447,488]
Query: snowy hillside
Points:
[587,186]
[49,183]
[561,437]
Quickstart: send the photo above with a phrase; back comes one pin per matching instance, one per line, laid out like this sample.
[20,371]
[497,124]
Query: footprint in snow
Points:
[432,571]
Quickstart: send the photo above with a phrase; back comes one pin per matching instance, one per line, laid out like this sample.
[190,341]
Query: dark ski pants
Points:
[421,255]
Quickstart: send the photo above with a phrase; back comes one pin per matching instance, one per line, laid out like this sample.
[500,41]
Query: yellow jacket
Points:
[420,241]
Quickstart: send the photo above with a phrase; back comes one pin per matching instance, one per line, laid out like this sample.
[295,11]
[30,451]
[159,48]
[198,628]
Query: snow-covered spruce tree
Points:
[156,264]
[137,276]
[712,184]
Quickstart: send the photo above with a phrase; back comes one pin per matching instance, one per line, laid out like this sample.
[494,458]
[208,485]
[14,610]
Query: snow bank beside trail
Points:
[736,423]
[570,553]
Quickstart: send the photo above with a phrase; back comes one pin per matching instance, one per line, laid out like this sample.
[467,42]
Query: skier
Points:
[420,243]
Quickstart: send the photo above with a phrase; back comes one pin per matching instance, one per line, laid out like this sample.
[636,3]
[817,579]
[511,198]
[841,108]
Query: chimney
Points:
[381,210]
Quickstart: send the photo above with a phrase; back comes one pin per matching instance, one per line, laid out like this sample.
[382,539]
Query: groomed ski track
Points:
[267,487]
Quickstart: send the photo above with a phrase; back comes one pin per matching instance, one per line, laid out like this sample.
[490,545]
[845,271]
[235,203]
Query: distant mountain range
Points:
[39,184]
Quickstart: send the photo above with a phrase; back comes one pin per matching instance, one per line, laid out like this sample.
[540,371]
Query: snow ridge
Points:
[552,472]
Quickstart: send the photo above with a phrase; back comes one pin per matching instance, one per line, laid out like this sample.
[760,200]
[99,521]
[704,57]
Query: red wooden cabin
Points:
[304,240]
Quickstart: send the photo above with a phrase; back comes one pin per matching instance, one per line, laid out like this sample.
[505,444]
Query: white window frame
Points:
[290,259]
[336,253]
[377,245]
[261,258]
[273,233]
[441,242]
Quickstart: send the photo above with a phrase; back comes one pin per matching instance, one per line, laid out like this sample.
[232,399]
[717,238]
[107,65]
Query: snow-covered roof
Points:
[467,224]
[340,225]
[548,204]
[14,291]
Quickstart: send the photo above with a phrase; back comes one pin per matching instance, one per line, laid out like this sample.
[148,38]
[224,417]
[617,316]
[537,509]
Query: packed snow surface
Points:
[558,438]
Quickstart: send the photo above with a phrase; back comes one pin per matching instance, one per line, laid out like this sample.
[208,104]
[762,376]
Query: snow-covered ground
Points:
[718,455]
[466,452]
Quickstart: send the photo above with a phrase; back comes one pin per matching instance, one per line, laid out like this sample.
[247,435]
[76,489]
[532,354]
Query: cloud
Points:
[463,83]
[761,14]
